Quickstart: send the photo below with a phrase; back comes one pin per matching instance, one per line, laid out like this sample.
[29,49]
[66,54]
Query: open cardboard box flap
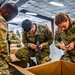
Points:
[51,68]
[22,70]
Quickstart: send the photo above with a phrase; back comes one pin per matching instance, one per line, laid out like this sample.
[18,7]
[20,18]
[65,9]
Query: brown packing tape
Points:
[22,70]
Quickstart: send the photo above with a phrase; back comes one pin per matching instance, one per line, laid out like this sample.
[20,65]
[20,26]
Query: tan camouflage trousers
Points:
[4,67]
[25,54]
[4,58]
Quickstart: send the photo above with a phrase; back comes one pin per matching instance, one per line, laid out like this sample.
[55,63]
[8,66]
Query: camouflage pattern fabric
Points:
[46,40]
[4,56]
[17,32]
[14,39]
[66,37]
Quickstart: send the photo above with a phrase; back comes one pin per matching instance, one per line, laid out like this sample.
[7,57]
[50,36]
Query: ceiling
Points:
[42,8]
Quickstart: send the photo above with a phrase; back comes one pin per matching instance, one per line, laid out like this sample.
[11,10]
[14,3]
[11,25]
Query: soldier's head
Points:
[28,26]
[9,11]
[62,20]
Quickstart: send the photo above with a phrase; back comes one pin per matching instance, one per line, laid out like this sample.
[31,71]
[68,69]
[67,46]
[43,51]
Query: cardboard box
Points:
[54,68]
[50,68]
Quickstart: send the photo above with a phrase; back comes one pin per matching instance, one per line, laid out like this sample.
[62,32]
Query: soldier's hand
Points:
[33,46]
[62,47]
[70,46]
[41,46]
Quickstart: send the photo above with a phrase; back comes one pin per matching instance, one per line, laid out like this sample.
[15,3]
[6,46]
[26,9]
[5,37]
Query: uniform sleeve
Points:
[3,35]
[73,33]
[24,40]
[48,38]
[57,38]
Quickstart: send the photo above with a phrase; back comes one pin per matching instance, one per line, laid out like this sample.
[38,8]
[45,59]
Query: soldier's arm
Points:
[48,38]
[24,40]
[57,39]
[3,34]
[73,34]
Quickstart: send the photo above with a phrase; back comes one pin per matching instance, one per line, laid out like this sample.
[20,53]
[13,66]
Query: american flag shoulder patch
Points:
[3,27]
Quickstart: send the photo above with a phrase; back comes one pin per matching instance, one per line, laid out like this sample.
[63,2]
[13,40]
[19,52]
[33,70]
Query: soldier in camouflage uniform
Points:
[6,14]
[17,32]
[65,36]
[30,30]
[14,38]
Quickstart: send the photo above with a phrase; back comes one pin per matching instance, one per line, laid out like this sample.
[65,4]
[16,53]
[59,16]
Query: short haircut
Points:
[11,7]
[26,25]
[61,17]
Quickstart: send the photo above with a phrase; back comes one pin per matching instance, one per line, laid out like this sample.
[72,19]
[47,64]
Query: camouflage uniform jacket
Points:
[4,56]
[3,35]
[45,34]
[66,37]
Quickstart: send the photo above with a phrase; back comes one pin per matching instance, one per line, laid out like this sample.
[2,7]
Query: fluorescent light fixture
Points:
[13,1]
[53,16]
[29,13]
[57,4]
